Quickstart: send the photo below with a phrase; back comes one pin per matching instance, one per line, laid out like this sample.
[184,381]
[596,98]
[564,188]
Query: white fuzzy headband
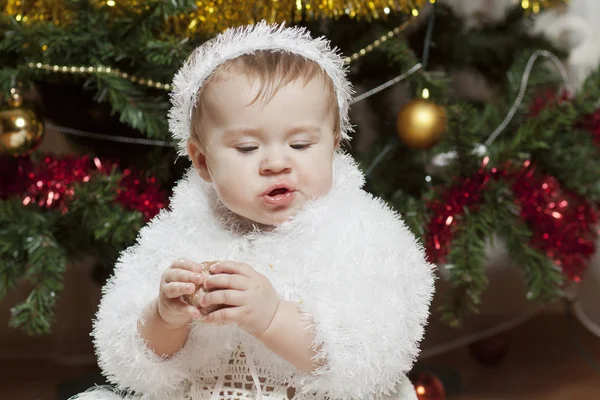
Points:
[235,42]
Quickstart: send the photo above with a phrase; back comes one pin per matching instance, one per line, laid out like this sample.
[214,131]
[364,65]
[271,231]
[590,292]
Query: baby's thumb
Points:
[192,311]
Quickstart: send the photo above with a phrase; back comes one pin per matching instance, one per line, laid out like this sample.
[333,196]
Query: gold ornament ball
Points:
[421,123]
[21,131]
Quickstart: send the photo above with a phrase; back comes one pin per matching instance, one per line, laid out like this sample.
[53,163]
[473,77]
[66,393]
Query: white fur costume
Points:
[354,269]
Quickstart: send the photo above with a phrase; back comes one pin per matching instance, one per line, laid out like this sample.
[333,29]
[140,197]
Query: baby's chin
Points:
[276,219]
[271,219]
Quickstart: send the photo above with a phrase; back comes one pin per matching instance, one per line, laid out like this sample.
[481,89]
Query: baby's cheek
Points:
[325,186]
[226,192]
[318,184]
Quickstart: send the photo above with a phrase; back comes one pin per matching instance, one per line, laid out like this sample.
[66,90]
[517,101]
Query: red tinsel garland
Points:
[562,222]
[49,184]
[548,98]
[447,210]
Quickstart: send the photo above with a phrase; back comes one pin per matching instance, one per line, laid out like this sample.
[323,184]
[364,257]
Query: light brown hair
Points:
[274,70]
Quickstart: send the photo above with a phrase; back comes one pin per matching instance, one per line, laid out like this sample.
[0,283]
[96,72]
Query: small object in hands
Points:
[195,298]
[428,386]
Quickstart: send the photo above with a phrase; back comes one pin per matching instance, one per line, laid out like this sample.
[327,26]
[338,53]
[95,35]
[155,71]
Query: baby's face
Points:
[266,160]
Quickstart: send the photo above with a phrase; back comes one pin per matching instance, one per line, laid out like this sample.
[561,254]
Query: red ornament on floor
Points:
[428,386]
[490,351]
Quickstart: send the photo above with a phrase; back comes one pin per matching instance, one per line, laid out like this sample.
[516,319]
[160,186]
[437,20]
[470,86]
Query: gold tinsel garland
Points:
[29,11]
[536,6]
[214,16]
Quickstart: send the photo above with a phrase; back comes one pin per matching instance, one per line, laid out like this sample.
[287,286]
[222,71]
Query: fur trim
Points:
[235,42]
[368,302]
[362,281]
[100,393]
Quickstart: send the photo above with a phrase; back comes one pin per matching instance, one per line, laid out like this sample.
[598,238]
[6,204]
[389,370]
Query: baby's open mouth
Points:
[280,196]
[279,191]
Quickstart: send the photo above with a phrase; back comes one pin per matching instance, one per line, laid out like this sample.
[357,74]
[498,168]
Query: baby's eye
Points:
[300,146]
[246,149]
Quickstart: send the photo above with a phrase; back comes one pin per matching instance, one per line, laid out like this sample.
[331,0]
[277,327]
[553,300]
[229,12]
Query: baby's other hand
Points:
[179,279]
[249,297]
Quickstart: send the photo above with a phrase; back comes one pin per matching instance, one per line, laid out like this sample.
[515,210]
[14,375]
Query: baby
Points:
[319,290]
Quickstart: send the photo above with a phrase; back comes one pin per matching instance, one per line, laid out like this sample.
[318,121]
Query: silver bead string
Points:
[522,89]
[387,84]
[112,138]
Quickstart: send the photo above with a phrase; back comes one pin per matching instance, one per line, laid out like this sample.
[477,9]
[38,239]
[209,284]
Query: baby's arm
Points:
[290,337]
[165,323]
[164,339]
[254,305]
[123,351]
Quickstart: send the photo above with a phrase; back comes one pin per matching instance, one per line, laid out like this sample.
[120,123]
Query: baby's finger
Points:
[226,281]
[192,312]
[184,263]
[182,275]
[174,290]
[223,316]
[232,267]
[227,297]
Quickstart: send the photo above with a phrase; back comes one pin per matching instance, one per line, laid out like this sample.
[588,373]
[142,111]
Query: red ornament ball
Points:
[490,351]
[428,386]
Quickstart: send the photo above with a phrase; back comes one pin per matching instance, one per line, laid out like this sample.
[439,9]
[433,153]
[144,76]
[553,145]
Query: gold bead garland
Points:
[100,70]
[376,43]
[167,87]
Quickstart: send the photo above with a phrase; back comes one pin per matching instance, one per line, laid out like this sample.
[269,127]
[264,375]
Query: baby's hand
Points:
[179,279]
[249,296]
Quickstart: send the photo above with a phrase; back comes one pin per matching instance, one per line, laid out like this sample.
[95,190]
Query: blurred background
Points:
[477,120]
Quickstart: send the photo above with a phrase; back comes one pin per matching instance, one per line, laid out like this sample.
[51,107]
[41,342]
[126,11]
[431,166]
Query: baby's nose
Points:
[275,163]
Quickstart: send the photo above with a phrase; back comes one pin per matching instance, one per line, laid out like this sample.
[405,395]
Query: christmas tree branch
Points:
[29,251]
[46,264]
[466,273]
[107,222]
[543,278]
[135,107]
[35,244]
[399,54]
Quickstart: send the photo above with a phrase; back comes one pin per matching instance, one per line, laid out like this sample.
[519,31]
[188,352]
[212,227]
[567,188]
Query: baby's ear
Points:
[198,159]
[337,140]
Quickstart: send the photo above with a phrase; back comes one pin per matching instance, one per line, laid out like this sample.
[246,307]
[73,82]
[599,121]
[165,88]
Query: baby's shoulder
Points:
[351,218]
[359,207]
